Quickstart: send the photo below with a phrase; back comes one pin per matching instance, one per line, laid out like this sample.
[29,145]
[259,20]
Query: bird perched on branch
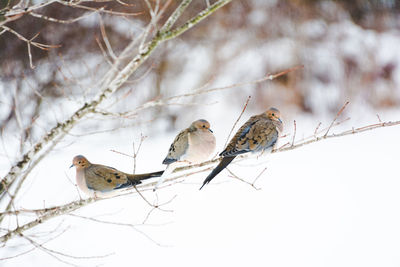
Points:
[97,180]
[191,146]
[259,133]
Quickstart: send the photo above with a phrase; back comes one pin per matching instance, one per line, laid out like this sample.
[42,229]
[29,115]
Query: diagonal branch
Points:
[174,17]
[111,84]
[52,212]
[348,132]
[195,20]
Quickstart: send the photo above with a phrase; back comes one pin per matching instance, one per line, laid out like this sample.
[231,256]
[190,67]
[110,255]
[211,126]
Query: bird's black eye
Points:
[204,126]
[79,162]
[273,114]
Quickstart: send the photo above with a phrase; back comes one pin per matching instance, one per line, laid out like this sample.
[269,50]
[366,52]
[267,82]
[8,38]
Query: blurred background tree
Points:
[348,49]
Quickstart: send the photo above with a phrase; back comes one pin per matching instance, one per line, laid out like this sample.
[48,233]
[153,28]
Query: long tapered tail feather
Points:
[136,178]
[222,165]
[170,168]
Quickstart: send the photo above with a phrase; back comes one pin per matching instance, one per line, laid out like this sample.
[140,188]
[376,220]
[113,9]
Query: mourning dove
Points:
[97,180]
[259,133]
[191,146]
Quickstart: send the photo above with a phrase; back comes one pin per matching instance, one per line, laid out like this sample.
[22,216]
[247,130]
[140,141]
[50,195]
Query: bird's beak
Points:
[210,130]
[71,166]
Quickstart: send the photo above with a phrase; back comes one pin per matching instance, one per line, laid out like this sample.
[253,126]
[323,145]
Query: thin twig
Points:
[18,254]
[258,176]
[319,131]
[136,152]
[148,215]
[68,21]
[200,91]
[294,132]
[101,10]
[39,246]
[103,51]
[316,129]
[337,115]
[237,120]
[105,39]
[243,180]
[175,15]
[274,76]
[67,255]
[36,44]
[156,206]
[118,152]
[348,132]
[30,55]
[132,226]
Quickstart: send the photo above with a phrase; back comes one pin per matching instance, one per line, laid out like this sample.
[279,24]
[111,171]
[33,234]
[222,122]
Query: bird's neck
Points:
[278,125]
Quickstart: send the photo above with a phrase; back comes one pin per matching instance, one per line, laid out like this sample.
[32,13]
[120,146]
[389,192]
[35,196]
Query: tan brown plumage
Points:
[192,145]
[97,180]
[178,147]
[259,133]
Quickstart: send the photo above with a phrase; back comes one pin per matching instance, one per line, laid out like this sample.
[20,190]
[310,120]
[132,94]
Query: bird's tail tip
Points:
[202,186]
[206,181]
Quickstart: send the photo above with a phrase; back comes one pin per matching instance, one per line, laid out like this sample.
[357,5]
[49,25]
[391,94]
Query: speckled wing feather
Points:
[256,134]
[260,132]
[178,148]
[103,178]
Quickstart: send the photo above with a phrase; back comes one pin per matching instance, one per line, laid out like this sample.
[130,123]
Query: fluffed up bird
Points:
[259,133]
[97,180]
[191,146]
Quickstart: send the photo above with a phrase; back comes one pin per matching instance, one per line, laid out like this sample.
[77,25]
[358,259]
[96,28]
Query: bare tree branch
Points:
[337,115]
[112,81]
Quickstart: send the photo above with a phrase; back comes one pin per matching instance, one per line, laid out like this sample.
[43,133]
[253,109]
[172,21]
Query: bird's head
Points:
[201,125]
[274,114]
[80,162]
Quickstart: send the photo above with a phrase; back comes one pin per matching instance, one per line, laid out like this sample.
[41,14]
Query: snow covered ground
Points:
[331,203]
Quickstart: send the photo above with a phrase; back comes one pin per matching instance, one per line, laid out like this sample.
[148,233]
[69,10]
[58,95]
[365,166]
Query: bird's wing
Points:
[178,148]
[268,135]
[237,145]
[256,134]
[103,178]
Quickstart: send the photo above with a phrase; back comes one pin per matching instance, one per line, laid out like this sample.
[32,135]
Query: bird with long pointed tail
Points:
[97,180]
[191,146]
[259,133]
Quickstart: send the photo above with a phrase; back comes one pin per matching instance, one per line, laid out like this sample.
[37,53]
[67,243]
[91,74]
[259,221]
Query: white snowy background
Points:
[332,203]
